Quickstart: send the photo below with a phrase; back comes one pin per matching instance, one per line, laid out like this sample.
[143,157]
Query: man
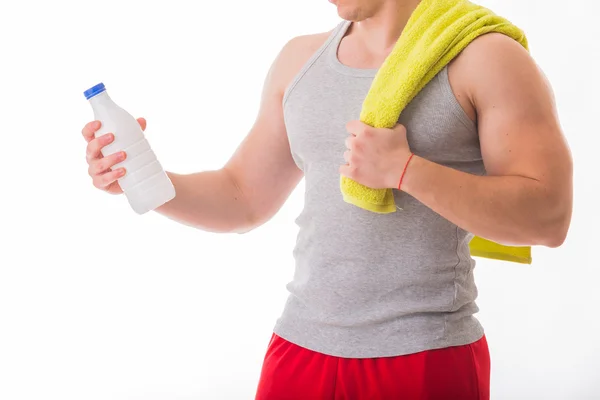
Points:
[381,306]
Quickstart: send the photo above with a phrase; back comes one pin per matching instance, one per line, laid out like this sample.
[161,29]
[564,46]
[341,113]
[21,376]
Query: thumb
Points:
[401,129]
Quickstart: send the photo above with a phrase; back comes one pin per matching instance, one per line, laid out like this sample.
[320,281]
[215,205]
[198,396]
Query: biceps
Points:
[520,132]
[263,166]
[521,146]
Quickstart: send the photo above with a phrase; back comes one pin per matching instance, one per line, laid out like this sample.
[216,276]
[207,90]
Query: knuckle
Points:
[109,162]
[89,130]
[107,179]
[91,148]
[98,166]
[116,173]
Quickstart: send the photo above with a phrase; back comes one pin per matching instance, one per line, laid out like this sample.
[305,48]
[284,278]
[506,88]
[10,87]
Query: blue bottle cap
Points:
[91,92]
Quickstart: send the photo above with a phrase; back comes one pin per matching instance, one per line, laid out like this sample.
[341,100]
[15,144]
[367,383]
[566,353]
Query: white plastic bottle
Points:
[145,183]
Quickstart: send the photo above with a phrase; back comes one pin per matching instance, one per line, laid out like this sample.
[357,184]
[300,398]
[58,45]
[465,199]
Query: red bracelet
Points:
[404,172]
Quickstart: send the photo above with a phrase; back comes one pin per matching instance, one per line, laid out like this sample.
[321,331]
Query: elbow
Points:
[250,220]
[245,223]
[554,219]
[554,233]
[554,240]
[246,228]
[236,226]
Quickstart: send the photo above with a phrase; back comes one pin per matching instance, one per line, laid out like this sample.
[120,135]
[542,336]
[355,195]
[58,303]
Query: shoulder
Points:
[492,54]
[294,55]
[494,65]
[496,45]
[305,45]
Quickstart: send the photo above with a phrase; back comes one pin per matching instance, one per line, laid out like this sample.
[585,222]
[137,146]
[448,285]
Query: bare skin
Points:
[526,199]
[527,196]
[257,179]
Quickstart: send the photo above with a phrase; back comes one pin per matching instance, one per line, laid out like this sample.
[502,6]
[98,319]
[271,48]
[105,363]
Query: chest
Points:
[316,116]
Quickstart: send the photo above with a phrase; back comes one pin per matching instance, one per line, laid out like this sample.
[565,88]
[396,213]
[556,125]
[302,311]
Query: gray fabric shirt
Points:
[367,284]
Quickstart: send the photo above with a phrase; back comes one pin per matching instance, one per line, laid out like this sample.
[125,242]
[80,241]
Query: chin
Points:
[349,10]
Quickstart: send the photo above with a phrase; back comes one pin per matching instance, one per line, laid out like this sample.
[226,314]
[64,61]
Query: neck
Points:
[381,31]
[100,99]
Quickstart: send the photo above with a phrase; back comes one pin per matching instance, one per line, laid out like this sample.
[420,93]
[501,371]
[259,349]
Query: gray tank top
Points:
[366,284]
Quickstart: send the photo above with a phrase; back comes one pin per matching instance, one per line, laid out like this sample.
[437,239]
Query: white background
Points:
[99,303]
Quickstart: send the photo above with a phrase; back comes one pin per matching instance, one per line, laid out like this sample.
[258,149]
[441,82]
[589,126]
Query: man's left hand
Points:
[375,156]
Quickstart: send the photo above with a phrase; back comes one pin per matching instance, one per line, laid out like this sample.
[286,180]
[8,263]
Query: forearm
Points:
[210,201]
[510,210]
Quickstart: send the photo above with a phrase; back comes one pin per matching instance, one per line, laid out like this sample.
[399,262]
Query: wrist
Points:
[395,173]
[408,180]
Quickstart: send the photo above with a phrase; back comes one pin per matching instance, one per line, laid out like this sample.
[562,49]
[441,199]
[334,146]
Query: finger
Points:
[90,129]
[357,127]
[95,146]
[349,171]
[104,180]
[143,123]
[350,142]
[101,165]
[348,156]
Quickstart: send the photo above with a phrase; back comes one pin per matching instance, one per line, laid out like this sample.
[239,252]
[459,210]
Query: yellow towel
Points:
[437,31]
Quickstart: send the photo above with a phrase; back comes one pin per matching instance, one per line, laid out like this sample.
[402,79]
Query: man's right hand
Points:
[100,167]
[253,184]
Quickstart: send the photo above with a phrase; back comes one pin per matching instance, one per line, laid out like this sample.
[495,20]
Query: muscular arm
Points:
[526,197]
[261,174]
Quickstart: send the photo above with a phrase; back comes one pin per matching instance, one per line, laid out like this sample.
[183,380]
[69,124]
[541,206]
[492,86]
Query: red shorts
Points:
[291,372]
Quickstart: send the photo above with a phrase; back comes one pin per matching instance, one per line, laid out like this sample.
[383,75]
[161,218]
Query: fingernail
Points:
[122,171]
[122,155]
[110,137]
